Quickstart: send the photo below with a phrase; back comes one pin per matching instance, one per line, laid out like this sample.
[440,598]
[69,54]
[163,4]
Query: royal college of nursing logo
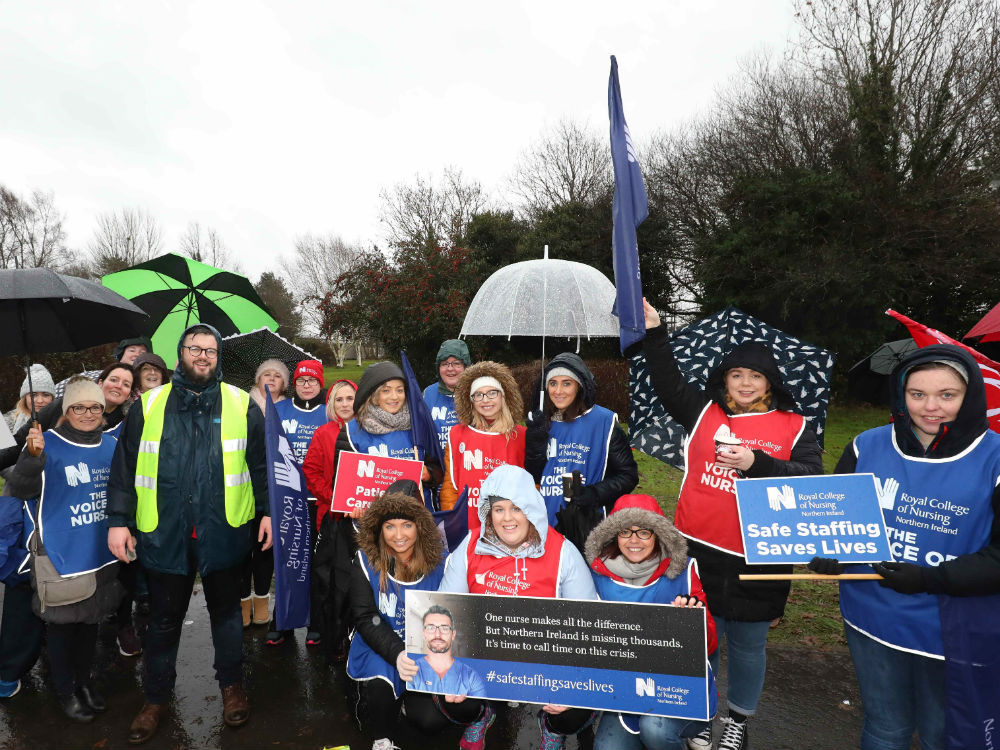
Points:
[79,474]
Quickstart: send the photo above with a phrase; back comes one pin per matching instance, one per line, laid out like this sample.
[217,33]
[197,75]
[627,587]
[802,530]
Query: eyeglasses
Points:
[306,381]
[442,629]
[197,351]
[490,394]
[643,534]
[453,363]
[80,410]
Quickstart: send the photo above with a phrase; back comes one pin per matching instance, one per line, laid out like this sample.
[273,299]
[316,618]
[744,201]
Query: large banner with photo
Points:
[794,519]
[635,658]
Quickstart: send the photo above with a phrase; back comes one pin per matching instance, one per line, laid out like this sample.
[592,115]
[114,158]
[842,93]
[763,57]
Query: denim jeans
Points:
[169,597]
[902,693]
[655,733]
[746,660]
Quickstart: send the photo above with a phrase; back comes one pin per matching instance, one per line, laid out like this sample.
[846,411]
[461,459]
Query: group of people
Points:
[174,469]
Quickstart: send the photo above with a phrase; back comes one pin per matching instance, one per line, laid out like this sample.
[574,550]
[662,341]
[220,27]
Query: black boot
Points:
[75,708]
[92,699]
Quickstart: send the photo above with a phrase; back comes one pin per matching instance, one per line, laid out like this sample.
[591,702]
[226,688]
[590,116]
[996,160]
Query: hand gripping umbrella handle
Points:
[32,448]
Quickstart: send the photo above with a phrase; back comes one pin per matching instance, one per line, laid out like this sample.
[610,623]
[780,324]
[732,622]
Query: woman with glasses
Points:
[399,549]
[64,488]
[452,359]
[636,555]
[579,455]
[487,435]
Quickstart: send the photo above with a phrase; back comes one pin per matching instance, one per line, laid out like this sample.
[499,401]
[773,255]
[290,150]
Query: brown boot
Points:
[261,610]
[235,706]
[145,723]
[247,606]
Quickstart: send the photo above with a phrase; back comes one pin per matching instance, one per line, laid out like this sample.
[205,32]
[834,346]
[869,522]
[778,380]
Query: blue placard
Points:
[794,519]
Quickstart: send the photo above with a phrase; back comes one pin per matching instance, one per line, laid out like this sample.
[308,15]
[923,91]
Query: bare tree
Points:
[31,232]
[124,238]
[311,275]
[207,247]
[428,213]
[569,164]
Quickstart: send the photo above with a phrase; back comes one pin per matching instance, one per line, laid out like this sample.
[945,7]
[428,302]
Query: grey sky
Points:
[266,121]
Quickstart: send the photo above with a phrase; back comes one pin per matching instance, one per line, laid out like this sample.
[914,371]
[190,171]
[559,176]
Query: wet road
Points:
[298,702]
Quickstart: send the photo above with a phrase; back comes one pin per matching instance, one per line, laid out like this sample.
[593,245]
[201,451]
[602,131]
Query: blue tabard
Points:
[442,406]
[71,507]
[299,425]
[395,444]
[362,662]
[661,591]
[116,431]
[940,509]
[580,445]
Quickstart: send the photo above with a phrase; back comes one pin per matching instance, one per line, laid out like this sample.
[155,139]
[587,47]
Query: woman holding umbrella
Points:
[70,539]
[744,424]
[576,451]
[489,407]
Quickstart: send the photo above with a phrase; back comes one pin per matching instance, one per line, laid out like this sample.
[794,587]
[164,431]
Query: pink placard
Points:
[361,478]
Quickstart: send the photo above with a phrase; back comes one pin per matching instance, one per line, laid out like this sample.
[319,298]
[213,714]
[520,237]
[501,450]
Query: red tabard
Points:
[706,510]
[517,576]
[473,454]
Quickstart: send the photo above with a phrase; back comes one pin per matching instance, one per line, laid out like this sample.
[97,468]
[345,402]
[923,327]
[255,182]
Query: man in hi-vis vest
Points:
[187,479]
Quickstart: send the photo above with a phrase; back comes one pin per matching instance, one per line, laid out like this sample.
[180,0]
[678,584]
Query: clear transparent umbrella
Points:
[546,297]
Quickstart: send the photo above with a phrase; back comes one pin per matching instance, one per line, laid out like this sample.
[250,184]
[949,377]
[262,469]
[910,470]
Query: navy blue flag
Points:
[454,524]
[629,210]
[422,427]
[291,525]
[971,630]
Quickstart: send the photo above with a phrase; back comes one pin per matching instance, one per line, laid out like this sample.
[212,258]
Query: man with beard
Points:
[438,671]
[188,476]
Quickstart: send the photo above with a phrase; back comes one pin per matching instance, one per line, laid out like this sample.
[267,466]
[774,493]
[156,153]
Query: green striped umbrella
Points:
[178,292]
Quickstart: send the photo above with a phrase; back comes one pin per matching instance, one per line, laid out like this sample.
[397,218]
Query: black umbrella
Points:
[242,353]
[42,311]
[868,380]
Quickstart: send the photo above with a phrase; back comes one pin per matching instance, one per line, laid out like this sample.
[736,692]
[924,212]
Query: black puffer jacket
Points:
[968,575]
[728,597]
[621,475]
[364,613]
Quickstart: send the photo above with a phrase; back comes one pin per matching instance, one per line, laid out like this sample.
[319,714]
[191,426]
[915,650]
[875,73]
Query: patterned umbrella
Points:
[698,349]
[242,354]
[178,292]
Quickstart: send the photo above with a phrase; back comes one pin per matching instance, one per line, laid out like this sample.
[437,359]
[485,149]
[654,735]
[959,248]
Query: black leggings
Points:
[258,568]
[428,713]
[71,651]
[570,721]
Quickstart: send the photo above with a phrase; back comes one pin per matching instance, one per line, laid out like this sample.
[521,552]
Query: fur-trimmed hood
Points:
[503,375]
[642,511]
[398,505]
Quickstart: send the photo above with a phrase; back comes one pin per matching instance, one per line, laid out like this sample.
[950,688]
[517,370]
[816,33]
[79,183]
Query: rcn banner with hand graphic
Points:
[362,477]
[291,526]
[794,519]
[609,656]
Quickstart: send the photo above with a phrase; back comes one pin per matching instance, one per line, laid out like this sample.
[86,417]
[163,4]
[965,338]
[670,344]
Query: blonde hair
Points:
[504,423]
[331,397]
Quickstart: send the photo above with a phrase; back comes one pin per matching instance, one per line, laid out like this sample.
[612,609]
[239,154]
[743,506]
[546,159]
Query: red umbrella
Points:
[987,329]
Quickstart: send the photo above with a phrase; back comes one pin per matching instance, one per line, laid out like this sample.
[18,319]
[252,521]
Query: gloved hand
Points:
[826,566]
[584,495]
[537,435]
[906,578]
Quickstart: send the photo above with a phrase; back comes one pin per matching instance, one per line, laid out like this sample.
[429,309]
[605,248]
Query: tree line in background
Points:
[857,171]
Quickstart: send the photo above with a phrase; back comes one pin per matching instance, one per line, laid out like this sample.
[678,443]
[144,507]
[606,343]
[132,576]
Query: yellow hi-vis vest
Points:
[238,489]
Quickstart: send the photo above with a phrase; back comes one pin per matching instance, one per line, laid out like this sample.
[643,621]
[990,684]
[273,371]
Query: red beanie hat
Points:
[310,368]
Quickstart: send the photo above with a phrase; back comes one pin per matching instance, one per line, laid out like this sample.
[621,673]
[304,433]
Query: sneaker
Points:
[384,744]
[550,740]
[734,735]
[702,740]
[128,642]
[313,638]
[474,736]
[9,689]
[276,637]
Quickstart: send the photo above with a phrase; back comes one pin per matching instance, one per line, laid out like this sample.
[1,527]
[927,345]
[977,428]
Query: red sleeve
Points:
[318,466]
[697,590]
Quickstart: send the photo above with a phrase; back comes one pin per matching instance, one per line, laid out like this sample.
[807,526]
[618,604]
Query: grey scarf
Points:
[380,422]
[635,574]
